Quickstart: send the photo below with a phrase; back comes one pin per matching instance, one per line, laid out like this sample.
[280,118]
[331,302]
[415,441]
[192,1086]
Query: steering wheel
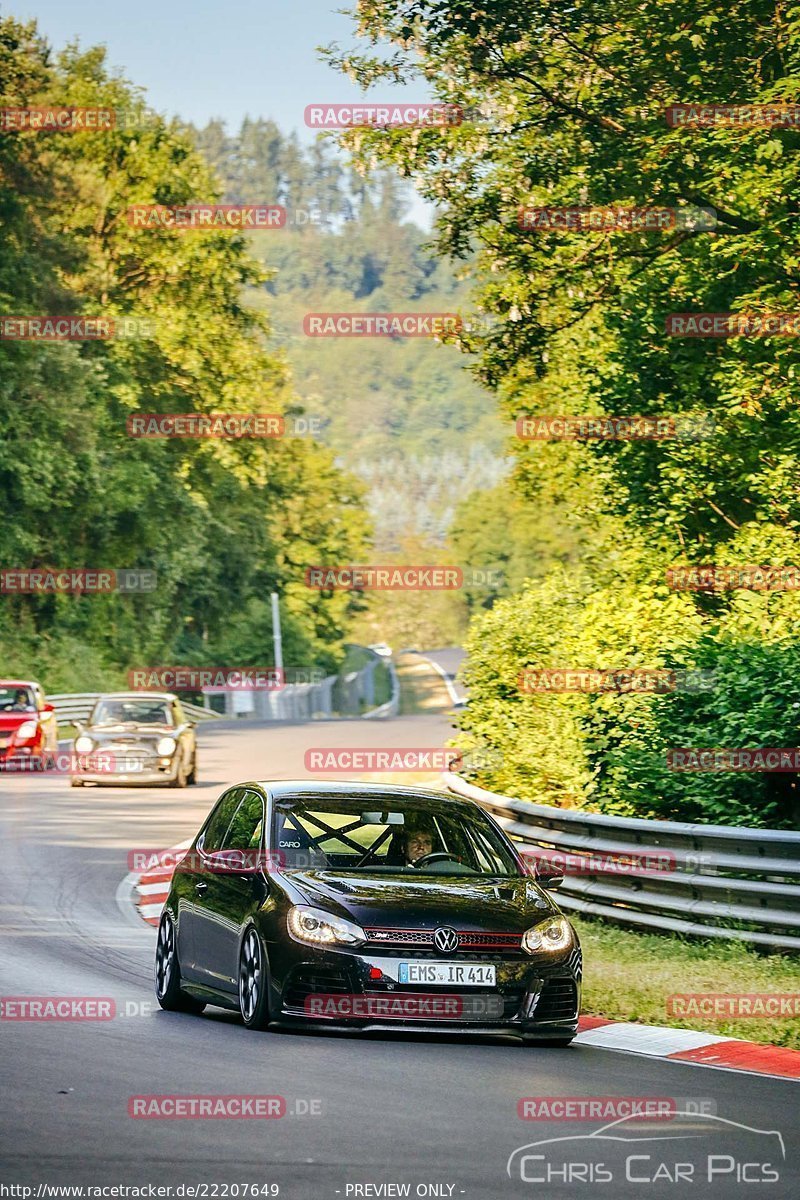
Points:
[435,856]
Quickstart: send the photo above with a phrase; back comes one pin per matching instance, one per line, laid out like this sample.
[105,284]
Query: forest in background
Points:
[222,523]
[406,416]
[566,107]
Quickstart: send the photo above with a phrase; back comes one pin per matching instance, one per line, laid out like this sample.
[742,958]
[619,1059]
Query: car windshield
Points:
[132,711]
[393,834]
[16,699]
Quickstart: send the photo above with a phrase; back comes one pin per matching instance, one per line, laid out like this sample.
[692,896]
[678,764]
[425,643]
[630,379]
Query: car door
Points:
[192,882]
[235,890]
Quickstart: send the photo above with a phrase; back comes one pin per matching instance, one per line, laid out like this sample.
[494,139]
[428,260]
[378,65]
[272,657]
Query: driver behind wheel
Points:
[418,842]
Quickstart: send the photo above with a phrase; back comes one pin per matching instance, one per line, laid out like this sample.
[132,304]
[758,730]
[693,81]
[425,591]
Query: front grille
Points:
[401,937]
[122,756]
[558,1001]
[491,941]
[311,981]
[468,939]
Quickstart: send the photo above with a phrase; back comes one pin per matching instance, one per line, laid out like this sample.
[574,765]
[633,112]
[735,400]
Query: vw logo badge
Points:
[445,940]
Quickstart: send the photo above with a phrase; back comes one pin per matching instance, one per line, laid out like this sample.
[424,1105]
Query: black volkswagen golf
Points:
[366,906]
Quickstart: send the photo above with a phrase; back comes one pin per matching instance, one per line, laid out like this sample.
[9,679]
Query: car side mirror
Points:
[48,708]
[546,873]
[234,862]
[223,862]
[549,877]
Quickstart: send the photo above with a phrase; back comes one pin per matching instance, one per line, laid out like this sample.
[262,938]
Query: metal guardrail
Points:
[294,702]
[76,706]
[719,881]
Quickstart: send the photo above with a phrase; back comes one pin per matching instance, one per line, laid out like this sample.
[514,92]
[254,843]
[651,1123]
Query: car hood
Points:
[13,720]
[395,901]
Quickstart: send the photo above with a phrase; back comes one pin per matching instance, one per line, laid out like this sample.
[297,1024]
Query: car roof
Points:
[309,788]
[137,696]
[19,683]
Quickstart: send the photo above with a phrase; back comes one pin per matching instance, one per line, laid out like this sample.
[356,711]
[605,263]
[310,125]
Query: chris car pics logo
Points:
[699,1148]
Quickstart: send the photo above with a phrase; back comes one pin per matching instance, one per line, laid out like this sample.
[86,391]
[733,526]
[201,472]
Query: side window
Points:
[247,825]
[220,819]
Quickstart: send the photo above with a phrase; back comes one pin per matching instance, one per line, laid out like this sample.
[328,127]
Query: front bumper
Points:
[149,774]
[11,755]
[340,989]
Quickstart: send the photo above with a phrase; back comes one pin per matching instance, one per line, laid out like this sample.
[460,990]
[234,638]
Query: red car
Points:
[28,725]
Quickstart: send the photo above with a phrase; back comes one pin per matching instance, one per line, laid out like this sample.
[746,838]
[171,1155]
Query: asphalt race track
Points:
[438,1114]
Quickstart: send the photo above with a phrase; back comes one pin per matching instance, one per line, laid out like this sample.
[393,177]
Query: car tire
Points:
[192,779]
[253,981]
[180,775]
[169,993]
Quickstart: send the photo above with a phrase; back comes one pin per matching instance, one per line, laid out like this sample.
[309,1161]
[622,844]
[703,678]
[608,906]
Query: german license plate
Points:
[448,974]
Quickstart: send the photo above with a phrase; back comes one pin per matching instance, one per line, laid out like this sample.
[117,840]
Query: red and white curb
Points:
[689,1046]
[149,889]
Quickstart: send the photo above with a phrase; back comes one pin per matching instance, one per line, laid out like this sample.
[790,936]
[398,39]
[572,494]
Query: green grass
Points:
[628,977]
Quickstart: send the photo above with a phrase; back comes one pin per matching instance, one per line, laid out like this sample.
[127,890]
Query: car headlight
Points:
[319,928]
[165,746]
[84,744]
[26,730]
[552,934]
